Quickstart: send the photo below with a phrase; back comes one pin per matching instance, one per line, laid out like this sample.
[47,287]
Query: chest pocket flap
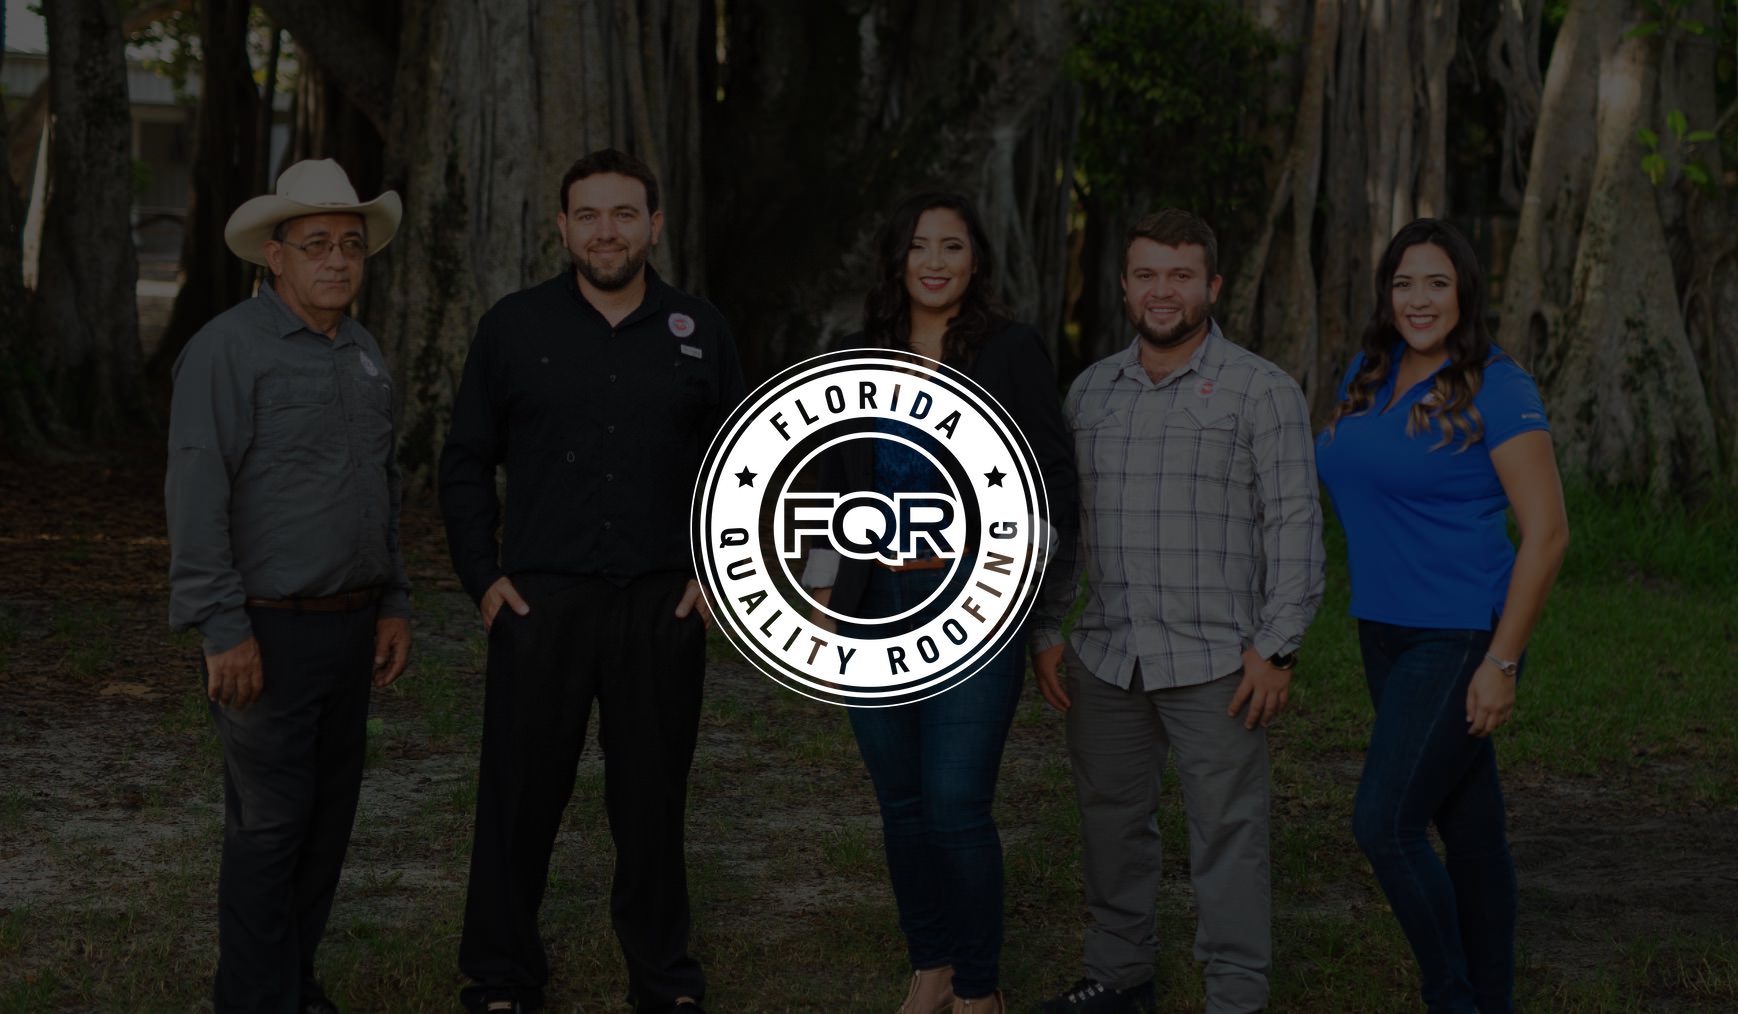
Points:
[281,389]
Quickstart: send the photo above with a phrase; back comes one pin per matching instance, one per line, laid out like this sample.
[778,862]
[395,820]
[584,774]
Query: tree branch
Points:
[346,47]
[1725,118]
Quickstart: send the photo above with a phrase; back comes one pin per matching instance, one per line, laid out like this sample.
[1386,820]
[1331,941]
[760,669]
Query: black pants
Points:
[586,638]
[292,769]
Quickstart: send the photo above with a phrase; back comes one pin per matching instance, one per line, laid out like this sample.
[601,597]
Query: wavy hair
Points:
[887,307]
[1448,405]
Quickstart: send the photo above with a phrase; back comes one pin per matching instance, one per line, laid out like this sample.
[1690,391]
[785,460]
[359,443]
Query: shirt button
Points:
[612,378]
[612,429]
[609,477]
[570,457]
[607,524]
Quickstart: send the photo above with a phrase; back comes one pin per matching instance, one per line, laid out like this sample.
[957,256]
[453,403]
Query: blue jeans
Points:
[1423,768]
[934,766]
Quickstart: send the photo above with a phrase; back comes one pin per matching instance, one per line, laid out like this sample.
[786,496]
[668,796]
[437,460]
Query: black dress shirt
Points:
[602,430]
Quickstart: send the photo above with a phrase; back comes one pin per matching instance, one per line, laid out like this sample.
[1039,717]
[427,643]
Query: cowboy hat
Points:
[311,187]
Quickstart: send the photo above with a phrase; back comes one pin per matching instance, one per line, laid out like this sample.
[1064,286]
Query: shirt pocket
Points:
[373,423]
[294,414]
[695,383]
[1102,437]
[1200,442]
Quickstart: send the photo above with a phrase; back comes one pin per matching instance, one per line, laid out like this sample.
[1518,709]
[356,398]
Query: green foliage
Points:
[174,41]
[175,48]
[1173,100]
[1670,18]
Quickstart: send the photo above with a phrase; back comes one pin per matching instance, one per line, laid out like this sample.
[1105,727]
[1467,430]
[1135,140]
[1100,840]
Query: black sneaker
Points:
[1089,996]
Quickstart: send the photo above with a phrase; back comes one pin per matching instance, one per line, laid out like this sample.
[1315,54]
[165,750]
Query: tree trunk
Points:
[1536,284]
[326,124]
[1703,223]
[24,416]
[263,177]
[498,100]
[25,136]
[224,142]
[1367,153]
[354,40]
[1513,62]
[1628,405]
[86,308]
[831,112]
[1292,339]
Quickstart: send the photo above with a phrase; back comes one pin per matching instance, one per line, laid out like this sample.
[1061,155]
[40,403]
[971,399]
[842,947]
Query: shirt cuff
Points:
[1269,643]
[1038,524]
[1044,636]
[225,629]
[822,569]
[394,602]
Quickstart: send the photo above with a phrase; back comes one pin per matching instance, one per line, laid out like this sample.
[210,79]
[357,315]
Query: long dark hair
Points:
[887,308]
[1449,402]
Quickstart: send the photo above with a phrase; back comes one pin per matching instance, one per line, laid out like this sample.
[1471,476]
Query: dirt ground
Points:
[103,785]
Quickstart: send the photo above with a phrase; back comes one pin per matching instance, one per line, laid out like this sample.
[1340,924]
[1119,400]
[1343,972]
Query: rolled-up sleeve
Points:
[210,430]
[1291,517]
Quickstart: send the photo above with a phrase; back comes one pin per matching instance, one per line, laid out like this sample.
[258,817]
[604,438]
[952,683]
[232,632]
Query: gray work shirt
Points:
[283,481]
[1200,523]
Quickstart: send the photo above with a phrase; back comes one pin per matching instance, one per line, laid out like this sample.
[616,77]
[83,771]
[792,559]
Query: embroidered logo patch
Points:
[1204,389]
[681,325]
[368,366]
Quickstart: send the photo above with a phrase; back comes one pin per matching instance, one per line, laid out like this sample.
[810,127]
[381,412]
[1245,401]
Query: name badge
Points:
[690,350]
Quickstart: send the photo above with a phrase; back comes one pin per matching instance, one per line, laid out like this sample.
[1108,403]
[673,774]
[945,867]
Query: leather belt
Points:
[342,602]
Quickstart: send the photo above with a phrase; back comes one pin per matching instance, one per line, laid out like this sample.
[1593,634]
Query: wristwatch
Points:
[1507,668]
[1284,660]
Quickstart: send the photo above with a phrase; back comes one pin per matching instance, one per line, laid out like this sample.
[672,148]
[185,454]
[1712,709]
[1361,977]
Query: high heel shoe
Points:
[931,992]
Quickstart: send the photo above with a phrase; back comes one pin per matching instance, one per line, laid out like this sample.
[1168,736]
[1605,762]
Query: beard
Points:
[1189,320]
[607,280]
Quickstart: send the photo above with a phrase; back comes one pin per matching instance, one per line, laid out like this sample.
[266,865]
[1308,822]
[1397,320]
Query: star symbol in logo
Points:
[744,478]
[995,476]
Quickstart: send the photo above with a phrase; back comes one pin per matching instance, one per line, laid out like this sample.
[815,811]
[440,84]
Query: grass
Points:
[1628,692]
[86,636]
[1621,673]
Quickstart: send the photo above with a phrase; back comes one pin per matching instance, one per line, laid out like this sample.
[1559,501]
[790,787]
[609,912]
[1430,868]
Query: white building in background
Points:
[163,131]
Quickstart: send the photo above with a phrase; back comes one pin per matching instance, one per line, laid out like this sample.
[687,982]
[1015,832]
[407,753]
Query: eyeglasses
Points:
[317,249]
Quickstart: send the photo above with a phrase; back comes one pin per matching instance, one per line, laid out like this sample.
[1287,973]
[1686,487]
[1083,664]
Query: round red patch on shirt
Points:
[1204,388]
[681,325]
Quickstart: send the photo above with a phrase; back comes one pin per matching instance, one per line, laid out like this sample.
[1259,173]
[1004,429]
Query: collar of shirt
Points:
[1204,361]
[289,323]
[1386,392]
[654,299]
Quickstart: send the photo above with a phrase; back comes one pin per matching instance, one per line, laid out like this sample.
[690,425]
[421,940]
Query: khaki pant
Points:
[1118,741]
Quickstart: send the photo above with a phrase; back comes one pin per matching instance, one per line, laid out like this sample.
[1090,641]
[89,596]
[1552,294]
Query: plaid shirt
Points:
[1200,522]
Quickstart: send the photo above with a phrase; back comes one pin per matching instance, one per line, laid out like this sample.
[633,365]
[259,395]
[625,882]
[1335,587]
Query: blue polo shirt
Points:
[1426,535]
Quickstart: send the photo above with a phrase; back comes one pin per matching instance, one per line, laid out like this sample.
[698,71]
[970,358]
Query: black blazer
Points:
[1013,365]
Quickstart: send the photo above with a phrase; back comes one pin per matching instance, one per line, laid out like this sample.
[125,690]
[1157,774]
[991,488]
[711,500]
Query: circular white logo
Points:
[954,513]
